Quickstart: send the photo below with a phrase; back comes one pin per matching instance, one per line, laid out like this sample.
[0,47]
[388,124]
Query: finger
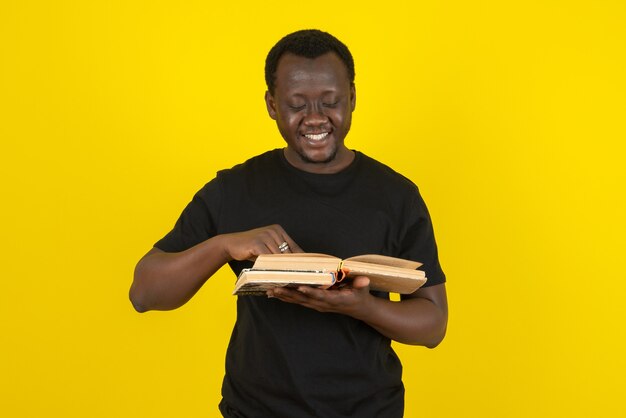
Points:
[283,241]
[286,244]
[293,246]
[272,239]
[360,282]
[272,247]
[308,291]
[289,295]
[265,244]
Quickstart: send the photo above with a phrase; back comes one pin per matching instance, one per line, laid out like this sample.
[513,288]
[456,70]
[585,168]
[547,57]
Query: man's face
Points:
[312,106]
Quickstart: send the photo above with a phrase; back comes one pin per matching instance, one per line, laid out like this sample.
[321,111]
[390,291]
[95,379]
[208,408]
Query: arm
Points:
[165,281]
[418,319]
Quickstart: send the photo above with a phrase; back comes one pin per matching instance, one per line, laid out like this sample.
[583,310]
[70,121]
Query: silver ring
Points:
[283,247]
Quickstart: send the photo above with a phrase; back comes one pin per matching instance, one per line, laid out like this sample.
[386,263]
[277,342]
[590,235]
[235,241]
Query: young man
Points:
[306,352]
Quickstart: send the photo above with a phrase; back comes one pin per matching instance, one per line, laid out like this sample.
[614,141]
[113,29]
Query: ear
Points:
[352,96]
[270,104]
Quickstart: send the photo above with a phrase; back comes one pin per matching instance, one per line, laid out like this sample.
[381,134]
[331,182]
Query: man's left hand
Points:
[349,300]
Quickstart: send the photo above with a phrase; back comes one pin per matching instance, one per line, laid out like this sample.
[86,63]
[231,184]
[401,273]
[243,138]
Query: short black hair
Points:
[309,43]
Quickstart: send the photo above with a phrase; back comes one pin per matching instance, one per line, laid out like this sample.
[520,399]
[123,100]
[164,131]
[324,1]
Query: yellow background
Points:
[508,115]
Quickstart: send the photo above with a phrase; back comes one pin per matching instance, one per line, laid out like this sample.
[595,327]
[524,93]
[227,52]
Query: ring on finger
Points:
[283,247]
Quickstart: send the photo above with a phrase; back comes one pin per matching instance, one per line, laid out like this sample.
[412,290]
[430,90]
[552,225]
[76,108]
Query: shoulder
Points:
[240,173]
[380,173]
[256,166]
[259,162]
[391,186]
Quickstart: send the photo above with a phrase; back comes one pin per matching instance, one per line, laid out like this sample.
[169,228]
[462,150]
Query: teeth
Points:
[317,137]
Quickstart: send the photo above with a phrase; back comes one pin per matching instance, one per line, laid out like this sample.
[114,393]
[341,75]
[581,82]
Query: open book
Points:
[388,274]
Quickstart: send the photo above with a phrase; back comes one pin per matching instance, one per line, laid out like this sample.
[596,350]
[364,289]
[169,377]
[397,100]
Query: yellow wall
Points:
[508,115]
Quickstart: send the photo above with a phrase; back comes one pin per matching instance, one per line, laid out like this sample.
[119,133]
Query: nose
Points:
[315,117]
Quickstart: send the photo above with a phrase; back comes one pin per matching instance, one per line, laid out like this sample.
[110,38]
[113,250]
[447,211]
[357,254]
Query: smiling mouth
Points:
[316,137]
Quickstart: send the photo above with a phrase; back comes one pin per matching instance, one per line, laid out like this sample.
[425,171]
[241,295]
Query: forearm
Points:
[416,321]
[419,319]
[165,281]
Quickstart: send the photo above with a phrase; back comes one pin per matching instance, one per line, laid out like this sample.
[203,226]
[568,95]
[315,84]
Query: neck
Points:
[341,160]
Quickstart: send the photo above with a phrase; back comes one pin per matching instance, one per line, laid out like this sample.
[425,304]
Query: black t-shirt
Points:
[285,360]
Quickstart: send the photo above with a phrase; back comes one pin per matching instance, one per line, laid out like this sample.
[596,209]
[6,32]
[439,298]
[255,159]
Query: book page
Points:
[385,278]
[386,261]
[297,261]
[252,281]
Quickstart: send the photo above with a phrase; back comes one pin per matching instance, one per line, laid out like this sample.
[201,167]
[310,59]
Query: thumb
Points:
[360,282]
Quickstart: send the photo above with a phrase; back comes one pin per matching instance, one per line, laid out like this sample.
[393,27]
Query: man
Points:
[306,352]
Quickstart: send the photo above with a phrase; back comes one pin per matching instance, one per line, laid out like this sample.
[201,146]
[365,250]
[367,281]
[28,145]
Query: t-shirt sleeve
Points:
[196,223]
[419,242]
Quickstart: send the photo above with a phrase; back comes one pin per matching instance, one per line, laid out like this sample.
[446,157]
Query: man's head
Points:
[308,43]
[311,96]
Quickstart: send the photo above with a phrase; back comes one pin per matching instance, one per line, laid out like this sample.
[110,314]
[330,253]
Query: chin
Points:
[317,158]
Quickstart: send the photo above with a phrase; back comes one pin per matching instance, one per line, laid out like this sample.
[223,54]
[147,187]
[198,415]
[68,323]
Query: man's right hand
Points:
[168,280]
[248,245]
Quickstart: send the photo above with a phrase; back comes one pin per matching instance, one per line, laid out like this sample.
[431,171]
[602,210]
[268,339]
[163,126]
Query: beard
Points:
[305,158]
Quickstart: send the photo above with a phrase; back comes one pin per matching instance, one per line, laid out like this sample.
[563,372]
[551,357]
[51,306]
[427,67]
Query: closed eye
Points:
[331,105]
[297,108]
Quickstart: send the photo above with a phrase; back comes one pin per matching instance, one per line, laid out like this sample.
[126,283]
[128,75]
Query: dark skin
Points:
[312,106]
[313,97]
[165,281]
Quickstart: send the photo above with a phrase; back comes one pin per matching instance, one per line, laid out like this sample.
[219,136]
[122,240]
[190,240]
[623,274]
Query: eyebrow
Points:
[324,93]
